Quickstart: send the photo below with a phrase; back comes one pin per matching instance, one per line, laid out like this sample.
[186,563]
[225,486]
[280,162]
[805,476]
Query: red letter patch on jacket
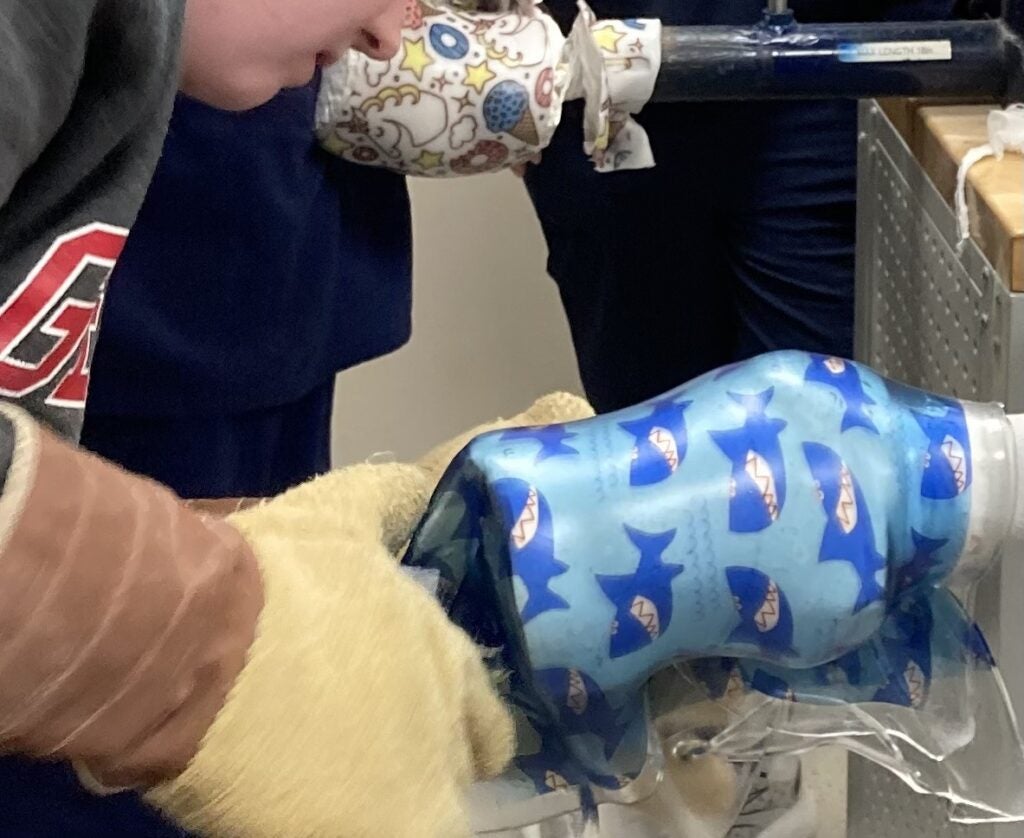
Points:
[47,320]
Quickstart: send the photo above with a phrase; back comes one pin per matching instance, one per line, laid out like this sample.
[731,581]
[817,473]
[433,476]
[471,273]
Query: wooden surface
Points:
[939,136]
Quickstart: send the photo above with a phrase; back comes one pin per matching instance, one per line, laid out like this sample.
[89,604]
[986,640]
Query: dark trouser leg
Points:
[792,231]
[640,266]
[255,454]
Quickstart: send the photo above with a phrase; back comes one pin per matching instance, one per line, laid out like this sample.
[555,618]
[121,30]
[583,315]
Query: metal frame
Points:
[939,318]
[962,337]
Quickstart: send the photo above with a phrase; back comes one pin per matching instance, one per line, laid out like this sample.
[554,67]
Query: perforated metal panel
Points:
[879,807]
[926,317]
[933,317]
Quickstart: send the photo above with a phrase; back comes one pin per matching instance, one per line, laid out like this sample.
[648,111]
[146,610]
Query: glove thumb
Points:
[366,502]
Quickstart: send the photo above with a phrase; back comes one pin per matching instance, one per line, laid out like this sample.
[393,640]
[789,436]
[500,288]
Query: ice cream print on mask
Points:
[475,92]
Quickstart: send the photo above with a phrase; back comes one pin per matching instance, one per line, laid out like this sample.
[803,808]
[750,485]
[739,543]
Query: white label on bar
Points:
[895,51]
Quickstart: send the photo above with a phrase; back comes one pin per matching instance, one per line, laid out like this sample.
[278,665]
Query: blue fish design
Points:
[643,600]
[922,565]
[552,439]
[848,536]
[772,685]
[948,470]
[766,620]
[582,706]
[843,376]
[633,23]
[757,488]
[531,543]
[660,445]
[908,656]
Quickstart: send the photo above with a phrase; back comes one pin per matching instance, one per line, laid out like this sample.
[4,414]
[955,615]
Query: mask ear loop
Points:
[613,65]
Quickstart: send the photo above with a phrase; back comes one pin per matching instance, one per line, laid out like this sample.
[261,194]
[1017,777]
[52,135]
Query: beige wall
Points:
[488,331]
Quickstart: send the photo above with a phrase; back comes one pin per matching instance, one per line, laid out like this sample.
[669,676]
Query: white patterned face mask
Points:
[472,92]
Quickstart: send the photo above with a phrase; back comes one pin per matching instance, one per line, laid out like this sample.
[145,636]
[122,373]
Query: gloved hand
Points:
[362,710]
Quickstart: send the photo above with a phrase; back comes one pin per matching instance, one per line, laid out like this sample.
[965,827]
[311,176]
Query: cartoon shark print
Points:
[844,377]
[922,566]
[582,706]
[643,600]
[757,487]
[660,442]
[848,536]
[552,439]
[908,654]
[531,544]
[947,465]
[766,620]
[772,685]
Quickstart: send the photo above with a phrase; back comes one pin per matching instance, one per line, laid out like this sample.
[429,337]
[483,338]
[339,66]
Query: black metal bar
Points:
[780,59]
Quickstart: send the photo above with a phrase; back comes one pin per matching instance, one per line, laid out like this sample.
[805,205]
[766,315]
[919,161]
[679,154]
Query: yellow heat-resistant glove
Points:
[362,711]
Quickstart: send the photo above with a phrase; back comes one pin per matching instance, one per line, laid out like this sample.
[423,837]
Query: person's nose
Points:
[382,38]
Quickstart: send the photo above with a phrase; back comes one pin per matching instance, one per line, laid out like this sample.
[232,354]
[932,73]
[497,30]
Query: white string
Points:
[1005,133]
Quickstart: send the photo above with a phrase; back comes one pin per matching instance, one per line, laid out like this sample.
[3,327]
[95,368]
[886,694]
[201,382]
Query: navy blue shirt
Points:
[258,267]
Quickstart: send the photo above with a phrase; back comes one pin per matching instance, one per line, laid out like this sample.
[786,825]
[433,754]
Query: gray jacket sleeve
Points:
[42,52]
[86,89]
[124,617]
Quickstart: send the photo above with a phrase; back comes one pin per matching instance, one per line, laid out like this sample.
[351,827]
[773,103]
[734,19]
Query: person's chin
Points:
[302,72]
[233,94]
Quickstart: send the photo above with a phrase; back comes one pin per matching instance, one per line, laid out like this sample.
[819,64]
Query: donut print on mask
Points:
[544,88]
[448,42]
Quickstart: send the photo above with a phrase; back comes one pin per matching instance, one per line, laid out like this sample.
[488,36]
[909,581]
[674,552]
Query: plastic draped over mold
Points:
[778,555]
